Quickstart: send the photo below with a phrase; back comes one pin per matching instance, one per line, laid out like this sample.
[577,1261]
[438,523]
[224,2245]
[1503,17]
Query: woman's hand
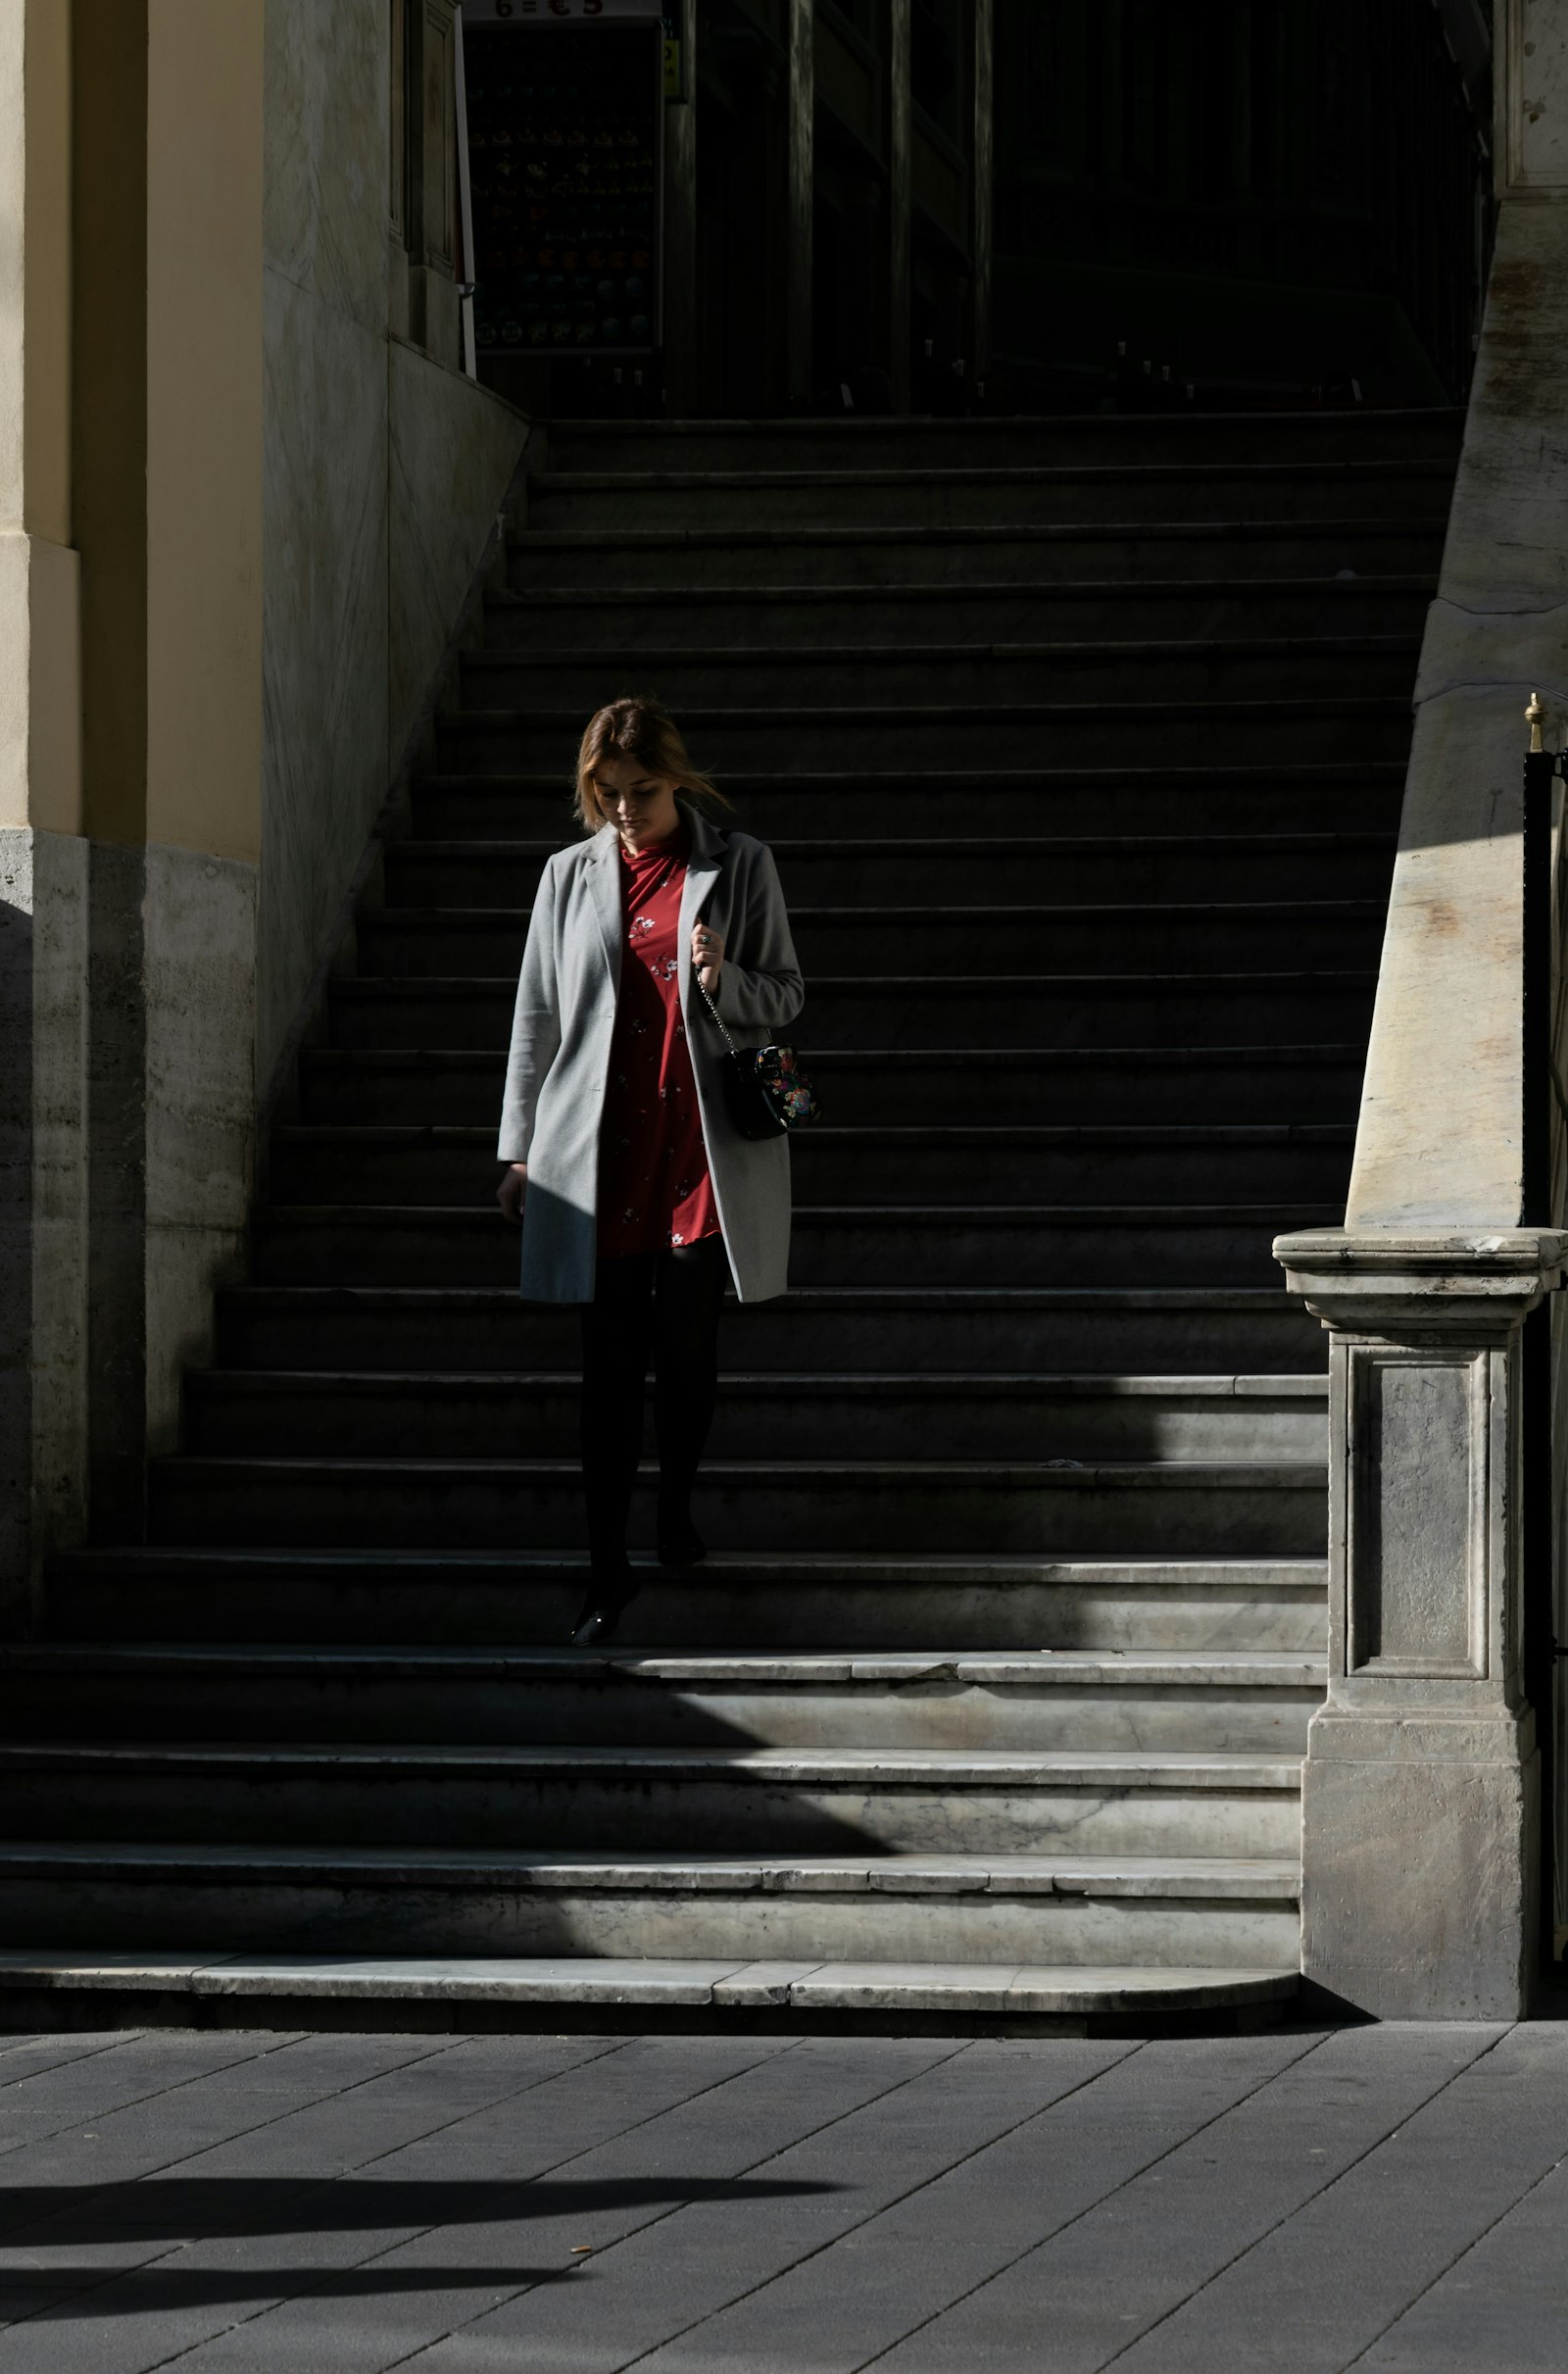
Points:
[708,954]
[511,1190]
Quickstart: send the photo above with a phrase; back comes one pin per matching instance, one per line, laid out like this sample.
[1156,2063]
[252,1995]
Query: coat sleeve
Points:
[535,1025]
[759,985]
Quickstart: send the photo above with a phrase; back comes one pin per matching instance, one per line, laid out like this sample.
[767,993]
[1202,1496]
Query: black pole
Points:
[1536,1525]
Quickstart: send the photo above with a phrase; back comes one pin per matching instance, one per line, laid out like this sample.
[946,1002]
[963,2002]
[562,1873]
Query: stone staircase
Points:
[1080,745]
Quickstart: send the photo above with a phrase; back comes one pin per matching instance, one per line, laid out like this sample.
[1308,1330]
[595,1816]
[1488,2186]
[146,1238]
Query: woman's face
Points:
[641,806]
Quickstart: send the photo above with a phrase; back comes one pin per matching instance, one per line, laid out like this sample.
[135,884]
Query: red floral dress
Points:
[654,1187]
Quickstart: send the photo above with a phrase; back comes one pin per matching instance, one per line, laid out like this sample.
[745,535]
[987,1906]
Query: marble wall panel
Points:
[1438,1138]
[324,627]
[328,157]
[60,1188]
[454,448]
[199,933]
[16,1219]
[43,1357]
[1532,98]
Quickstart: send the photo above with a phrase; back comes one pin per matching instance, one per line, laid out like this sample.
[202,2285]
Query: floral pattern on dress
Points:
[654,1191]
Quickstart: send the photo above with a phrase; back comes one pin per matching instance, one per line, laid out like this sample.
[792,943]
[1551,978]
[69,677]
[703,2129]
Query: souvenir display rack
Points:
[566,127]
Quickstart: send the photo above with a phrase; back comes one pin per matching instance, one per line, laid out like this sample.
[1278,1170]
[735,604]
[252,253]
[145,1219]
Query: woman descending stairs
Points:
[1079,745]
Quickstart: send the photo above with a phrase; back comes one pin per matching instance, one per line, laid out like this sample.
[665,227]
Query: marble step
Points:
[1239,1506]
[1195,937]
[1118,869]
[1152,1913]
[1133,550]
[1196,1605]
[1088,438]
[1074,1013]
[237,1412]
[734,1800]
[763,614]
[983,733]
[848,1246]
[1004,672]
[1257,1704]
[51,1990]
[1121,802]
[1026,1085]
[1165,1330]
[322,1163]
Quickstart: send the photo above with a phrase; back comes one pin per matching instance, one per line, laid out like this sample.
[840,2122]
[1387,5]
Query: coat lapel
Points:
[701,872]
[604,888]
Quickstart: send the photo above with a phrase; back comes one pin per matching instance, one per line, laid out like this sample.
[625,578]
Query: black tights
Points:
[663,1308]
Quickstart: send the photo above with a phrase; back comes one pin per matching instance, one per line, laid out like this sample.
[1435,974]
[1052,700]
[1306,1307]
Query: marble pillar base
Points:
[1420,1887]
[1421,1792]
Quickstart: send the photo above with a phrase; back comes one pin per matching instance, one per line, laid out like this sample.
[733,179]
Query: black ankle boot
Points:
[611,1587]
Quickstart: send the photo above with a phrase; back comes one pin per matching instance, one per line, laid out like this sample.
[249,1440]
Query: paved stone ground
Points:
[1379,2198]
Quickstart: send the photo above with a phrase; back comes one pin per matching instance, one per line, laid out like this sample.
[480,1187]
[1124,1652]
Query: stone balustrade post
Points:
[1421,1791]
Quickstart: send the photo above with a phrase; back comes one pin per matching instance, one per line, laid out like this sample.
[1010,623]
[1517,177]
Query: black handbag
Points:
[767,1089]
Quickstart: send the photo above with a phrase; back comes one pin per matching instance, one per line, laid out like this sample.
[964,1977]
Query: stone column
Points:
[44,855]
[896,90]
[1421,1792]
[799,213]
[982,231]
[680,226]
[430,103]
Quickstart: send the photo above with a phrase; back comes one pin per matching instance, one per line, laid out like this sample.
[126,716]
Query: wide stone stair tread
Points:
[1211,1878]
[1436,468]
[255,1983]
[545,540]
[430,873]
[988,1669]
[988,846]
[846,440]
[416,989]
[871,1601]
[1101,912]
[1066,590]
[256,1565]
[1039,1216]
[983,1136]
[924,1767]
[919,717]
[927,1385]
[810,1298]
[1128,1474]
[749,1566]
[1215,648]
[844,783]
[835,1244]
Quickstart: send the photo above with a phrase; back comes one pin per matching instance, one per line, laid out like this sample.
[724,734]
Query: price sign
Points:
[565,152]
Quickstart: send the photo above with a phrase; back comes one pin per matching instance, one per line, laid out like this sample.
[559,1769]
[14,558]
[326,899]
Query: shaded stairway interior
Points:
[1080,745]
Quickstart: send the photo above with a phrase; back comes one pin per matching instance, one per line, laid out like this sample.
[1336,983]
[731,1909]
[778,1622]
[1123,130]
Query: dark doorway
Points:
[1279,201]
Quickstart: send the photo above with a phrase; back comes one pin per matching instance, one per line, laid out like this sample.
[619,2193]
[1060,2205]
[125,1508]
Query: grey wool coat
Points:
[559,1060]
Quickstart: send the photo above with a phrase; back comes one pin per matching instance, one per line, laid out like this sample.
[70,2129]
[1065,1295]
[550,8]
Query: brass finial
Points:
[1533,717]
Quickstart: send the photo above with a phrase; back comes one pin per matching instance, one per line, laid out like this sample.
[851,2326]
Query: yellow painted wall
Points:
[46,412]
[40,777]
[204,425]
[109,408]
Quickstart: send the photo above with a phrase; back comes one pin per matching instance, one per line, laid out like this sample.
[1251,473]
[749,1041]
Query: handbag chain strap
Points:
[714,1010]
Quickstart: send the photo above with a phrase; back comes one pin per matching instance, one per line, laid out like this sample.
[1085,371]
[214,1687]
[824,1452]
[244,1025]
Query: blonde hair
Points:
[640,728]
